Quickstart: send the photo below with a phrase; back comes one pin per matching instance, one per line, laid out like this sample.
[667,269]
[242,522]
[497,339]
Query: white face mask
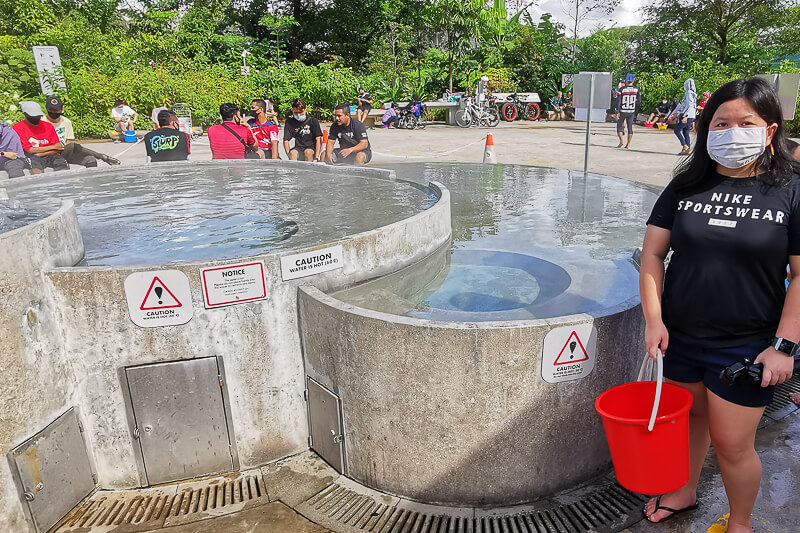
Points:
[300,117]
[736,147]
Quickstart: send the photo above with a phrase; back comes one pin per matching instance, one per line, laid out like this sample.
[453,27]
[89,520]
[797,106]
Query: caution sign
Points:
[310,263]
[233,284]
[569,353]
[160,298]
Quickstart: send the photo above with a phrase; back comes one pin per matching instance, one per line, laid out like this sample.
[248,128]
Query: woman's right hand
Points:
[655,337]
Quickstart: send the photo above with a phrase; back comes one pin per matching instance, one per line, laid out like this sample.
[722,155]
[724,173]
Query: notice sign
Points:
[161,298]
[233,284]
[306,264]
[569,353]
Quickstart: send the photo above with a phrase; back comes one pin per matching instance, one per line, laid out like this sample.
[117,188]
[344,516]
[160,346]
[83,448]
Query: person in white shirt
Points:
[124,117]
[74,153]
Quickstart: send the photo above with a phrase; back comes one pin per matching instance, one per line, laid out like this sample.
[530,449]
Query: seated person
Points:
[74,153]
[40,142]
[12,158]
[264,130]
[124,117]
[364,100]
[352,136]
[306,132]
[389,118]
[556,108]
[660,114]
[232,139]
[569,108]
[168,142]
[154,116]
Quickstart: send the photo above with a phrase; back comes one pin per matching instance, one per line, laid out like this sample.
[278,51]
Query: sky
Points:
[628,13]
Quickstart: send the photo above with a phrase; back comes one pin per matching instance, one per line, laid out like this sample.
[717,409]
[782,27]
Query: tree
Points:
[581,10]
[456,21]
[717,26]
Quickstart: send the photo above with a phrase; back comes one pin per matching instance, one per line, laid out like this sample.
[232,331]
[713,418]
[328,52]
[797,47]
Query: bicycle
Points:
[411,119]
[473,114]
[515,108]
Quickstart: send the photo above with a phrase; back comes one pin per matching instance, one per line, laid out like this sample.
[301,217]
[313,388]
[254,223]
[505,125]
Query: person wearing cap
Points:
[627,101]
[39,139]
[74,153]
[12,157]
[124,117]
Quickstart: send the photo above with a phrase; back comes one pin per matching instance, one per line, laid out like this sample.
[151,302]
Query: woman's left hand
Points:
[778,367]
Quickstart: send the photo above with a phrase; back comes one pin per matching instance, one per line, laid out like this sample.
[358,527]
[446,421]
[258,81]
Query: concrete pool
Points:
[415,356]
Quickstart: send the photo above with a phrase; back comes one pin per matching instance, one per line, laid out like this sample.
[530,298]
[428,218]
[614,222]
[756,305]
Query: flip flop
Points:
[674,512]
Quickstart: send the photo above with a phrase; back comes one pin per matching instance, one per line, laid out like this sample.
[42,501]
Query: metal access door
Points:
[52,471]
[180,419]
[325,421]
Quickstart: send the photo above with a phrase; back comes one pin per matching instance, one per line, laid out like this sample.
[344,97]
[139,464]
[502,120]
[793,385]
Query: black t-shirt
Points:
[304,132]
[725,285]
[167,144]
[662,108]
[365,96]
[350,135]
[628,99]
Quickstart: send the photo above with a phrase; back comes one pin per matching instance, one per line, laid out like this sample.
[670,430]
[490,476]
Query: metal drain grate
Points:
[609,508]
[781,404]
[133,507]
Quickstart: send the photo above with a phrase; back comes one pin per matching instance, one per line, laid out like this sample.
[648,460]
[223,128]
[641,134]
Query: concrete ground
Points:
[650,160]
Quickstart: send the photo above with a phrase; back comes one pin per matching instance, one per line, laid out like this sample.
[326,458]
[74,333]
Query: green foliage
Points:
[91,94]
[17,68]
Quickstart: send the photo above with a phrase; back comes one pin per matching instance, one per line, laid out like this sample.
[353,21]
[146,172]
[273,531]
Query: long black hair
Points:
[778,169]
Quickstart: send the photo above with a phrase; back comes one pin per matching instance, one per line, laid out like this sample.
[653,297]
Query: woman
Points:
[732,218]
[686,113]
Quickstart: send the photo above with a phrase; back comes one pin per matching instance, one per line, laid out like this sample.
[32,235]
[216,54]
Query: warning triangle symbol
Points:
[158,296]
[572,352]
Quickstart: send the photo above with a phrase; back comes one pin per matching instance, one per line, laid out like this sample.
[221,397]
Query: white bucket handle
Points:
[659,384]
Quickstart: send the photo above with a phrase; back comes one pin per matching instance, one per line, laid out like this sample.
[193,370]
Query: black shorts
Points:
[625,118]
[687,363]
[350,159]
[365,107]
[301,152]
[54,161]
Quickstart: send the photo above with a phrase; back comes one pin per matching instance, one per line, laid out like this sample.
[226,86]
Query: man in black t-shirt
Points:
[167,143]
[364,100]
[352,136]
[306,132]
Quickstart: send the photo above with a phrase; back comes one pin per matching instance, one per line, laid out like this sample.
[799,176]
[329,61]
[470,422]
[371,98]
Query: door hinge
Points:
[310,442]
[221,382]
[305,395]
[94,478]
[136,433]
[80,426]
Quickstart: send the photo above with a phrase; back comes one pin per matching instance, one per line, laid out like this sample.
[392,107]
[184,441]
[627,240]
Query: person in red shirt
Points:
[264,130]
[232,139]
[39,139]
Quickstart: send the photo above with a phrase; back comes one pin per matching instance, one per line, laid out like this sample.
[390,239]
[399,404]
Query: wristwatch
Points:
[784,346]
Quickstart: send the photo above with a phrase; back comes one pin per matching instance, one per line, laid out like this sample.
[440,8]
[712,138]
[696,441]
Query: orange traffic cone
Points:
[488,152]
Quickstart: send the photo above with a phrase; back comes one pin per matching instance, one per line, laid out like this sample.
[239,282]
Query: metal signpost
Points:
[592,92]
[787,86]
[48,64]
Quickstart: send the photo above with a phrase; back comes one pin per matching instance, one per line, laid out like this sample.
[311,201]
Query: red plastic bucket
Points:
[647,462]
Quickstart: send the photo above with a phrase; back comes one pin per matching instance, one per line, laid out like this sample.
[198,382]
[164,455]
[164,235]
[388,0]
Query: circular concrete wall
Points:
[458,412]
[83,337]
